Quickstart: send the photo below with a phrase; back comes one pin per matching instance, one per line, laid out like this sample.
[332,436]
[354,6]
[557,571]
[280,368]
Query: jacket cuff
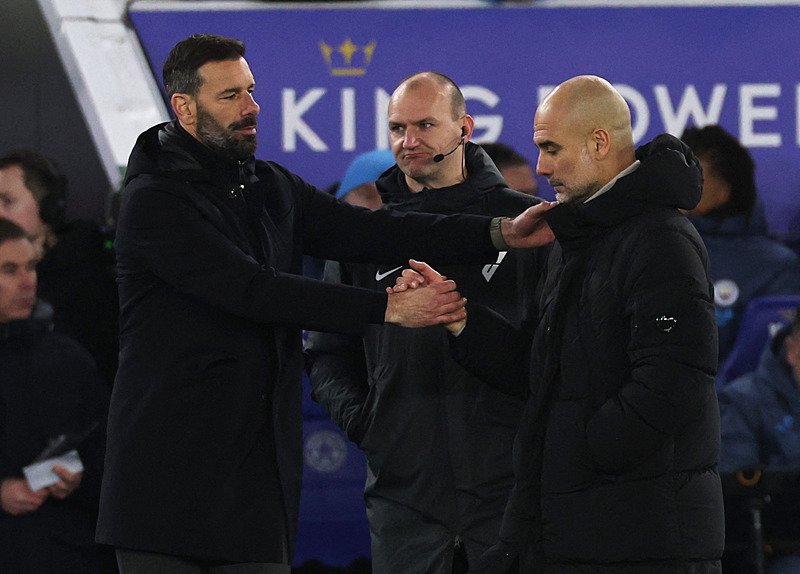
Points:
[497,234]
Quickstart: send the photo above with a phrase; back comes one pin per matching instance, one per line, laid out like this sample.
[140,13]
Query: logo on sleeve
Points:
[489,270]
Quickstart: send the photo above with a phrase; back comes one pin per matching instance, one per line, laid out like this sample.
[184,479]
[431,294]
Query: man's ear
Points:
[467,125]
[599,143]
[185,108]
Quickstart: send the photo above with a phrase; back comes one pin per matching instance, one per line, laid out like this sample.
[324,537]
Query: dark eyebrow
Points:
[428,120]
[548,144]
[236,90]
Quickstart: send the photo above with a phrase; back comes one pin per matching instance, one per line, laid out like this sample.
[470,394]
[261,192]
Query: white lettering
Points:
[797,112]
[689,106]
[348,119]
[749,113]
[381,118]
[543,91]
[491,124]
[640,112]
[293,124]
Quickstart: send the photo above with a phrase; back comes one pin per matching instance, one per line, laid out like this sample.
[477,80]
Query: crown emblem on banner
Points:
[347,59]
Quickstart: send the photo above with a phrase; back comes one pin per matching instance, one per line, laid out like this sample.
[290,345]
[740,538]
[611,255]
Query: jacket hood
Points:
[169,150]
[669,176]
[483,177]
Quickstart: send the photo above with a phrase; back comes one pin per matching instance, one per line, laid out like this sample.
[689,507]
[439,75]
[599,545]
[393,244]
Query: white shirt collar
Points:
[628,170]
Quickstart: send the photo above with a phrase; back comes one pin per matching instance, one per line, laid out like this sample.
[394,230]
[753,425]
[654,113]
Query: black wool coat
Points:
[204,453]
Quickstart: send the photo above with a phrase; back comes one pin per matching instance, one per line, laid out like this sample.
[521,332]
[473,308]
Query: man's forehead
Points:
[224,74]
[16,251]
[415,105]
[12,172]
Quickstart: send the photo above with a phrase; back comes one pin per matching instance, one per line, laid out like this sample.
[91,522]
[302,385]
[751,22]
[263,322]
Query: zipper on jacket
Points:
[235,192]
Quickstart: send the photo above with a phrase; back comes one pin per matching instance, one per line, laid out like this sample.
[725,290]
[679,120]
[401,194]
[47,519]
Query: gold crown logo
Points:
[350,60]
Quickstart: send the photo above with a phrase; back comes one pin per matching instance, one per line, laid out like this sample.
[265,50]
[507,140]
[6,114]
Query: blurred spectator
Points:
[760,416]
[48,387]
[358,186]
[76,271]
[761,410]
[514,167]
[745,261]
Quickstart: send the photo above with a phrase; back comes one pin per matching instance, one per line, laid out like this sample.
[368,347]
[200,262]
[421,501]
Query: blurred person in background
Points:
[49,386]
[358,185]
[356,188]
[745,261]
[76,270]
[514,167]
[760,418]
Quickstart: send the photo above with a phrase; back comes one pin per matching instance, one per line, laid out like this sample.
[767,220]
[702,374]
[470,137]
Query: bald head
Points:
[583,131]
[589,103]
[433,81]
[428,129]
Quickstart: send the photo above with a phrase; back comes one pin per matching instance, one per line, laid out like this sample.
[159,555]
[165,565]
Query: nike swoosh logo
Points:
[381,276]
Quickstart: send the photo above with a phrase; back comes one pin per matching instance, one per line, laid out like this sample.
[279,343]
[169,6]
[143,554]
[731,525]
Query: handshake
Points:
[421,297]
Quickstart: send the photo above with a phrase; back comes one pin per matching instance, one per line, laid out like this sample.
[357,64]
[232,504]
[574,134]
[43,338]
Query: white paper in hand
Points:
[41,475]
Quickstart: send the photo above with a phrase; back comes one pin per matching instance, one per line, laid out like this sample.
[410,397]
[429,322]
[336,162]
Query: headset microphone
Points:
[440,156]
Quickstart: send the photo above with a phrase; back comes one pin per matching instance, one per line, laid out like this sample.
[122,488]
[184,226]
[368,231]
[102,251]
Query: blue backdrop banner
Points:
[324,75]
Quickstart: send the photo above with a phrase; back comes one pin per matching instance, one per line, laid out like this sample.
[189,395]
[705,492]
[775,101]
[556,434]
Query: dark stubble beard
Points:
[223,140]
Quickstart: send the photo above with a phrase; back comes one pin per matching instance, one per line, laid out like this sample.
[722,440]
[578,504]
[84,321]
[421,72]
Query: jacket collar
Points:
[168,149]
[482,177]
[40,321]
[669,176]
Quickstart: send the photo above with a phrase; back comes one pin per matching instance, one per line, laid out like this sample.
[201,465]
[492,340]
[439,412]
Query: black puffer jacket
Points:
[616,456]
[430,430]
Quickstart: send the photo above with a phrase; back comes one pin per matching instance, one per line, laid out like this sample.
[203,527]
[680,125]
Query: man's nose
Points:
[29,280]
[542,166]
[410,140]
[251,107]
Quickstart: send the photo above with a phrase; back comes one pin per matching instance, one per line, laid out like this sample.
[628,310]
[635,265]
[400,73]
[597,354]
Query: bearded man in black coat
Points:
[204,455]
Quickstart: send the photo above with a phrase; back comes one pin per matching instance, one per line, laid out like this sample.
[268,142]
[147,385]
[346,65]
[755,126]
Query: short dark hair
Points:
[179,72]
[504,155]
[47,183]
[731,161]
[10,231]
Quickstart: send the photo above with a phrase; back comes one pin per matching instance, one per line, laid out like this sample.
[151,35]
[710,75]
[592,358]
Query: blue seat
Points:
[763,317]
[332,524]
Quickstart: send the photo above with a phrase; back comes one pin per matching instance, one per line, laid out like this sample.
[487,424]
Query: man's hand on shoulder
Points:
[529,228]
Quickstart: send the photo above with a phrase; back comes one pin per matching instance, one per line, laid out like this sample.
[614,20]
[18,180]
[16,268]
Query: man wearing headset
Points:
[438,441]
[76,268]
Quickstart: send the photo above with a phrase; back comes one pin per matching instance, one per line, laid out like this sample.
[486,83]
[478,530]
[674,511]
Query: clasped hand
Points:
[422,297]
